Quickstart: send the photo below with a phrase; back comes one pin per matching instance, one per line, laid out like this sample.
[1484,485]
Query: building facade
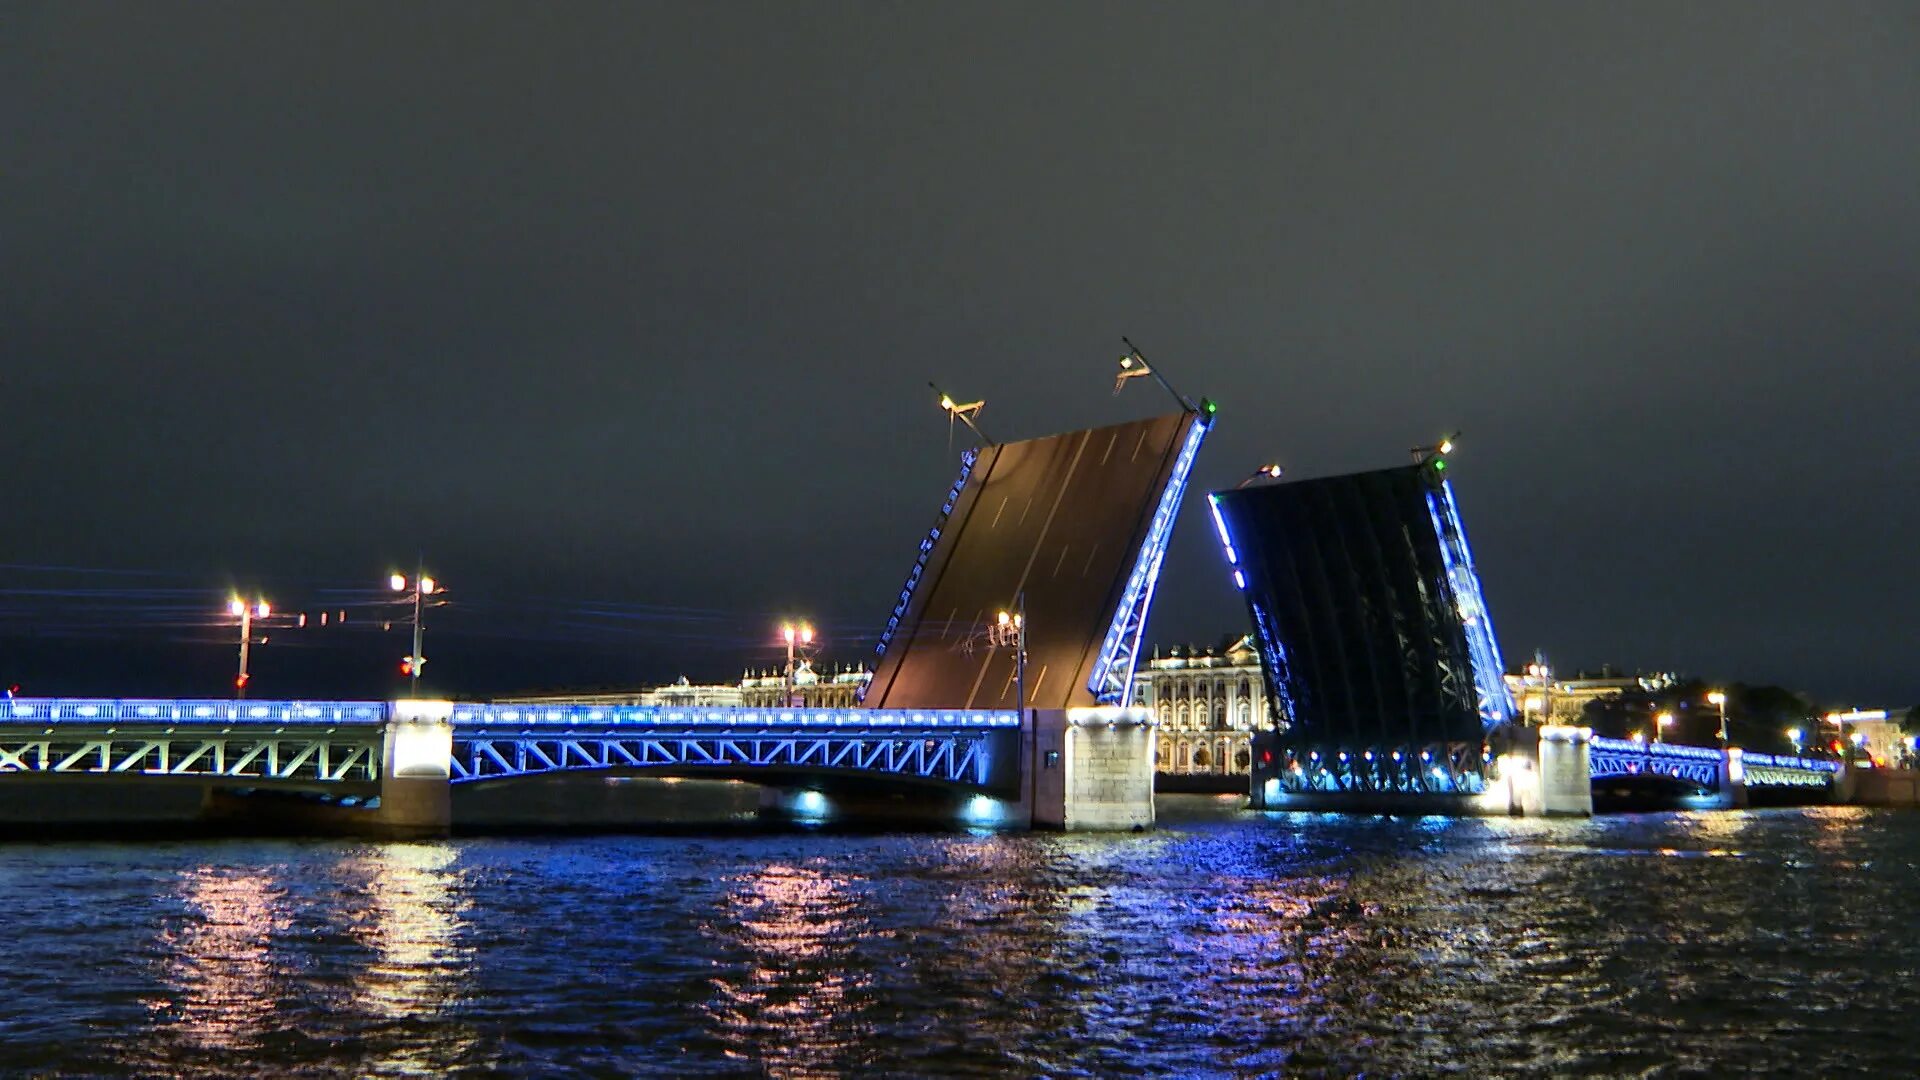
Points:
[765,690]
[1209,703]
[836,690]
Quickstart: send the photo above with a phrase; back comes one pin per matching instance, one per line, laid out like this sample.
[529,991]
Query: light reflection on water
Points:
[1226,943]
[796,1003]
[220,982]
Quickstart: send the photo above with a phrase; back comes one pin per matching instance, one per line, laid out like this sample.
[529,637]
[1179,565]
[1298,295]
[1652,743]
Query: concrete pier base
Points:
[1091,768]
[414,798]
[1555,775]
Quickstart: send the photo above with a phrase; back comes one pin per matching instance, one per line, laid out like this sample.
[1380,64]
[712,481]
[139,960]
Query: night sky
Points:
[623,315]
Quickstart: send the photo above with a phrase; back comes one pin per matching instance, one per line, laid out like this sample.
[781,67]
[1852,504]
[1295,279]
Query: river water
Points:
[1224,943]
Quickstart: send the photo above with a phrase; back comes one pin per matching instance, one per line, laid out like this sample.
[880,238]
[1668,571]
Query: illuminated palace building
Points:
[810,689]
[1210,702]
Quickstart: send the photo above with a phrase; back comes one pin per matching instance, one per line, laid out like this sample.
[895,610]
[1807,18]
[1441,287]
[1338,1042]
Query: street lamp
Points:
[1794,735]
[418,590]
[1435,453]
[1010,628]
[246,613]
[1264,472]
[1719,698]
[801,634]
[1661,724]
[1134,365]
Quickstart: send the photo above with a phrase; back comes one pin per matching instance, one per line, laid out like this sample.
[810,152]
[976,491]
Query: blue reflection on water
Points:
[1222,944]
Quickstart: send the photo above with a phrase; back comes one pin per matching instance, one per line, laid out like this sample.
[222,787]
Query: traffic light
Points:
[406,665]
[240,681]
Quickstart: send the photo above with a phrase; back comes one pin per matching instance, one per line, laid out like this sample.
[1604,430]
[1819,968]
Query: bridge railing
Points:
[1788,761]
[644,716]
[188,711]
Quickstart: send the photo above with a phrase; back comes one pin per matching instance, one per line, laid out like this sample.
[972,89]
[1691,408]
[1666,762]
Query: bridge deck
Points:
[1078,522]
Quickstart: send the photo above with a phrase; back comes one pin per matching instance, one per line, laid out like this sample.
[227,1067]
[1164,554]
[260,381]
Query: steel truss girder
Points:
[944,756]
[905,598]
[1786,776]
[1495,704]
[331,758]
[1452,768]
[1608,758]
[1112,680]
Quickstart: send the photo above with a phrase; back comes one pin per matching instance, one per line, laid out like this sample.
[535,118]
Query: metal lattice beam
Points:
[1112,681]
[352,756]
[954,757]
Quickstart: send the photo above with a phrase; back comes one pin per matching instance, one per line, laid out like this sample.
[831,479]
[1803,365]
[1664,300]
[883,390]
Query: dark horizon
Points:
[623,317]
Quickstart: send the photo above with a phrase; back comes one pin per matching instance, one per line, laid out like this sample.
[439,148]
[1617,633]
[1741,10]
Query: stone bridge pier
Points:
[1078,769]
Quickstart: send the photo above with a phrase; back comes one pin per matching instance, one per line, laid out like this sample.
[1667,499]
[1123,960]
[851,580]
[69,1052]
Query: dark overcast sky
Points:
[637,304]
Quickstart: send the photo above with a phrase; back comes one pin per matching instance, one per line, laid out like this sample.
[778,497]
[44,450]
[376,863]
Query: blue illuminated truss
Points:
[959,756]
[1700,765]
[1266,631]
[905,599]
[953,746]
[1489,671]
[1112,678]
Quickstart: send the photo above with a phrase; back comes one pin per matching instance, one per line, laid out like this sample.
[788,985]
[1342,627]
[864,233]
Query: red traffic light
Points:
[406,665]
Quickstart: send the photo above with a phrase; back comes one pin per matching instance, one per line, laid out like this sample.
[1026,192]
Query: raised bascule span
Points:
[1075,524]
[1384,675]
[1374,637]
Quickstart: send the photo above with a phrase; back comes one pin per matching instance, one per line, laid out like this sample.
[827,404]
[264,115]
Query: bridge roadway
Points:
[391,755]
[394,765]
[321,744]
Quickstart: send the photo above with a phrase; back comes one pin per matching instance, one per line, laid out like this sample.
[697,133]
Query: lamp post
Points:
[1011,629]
[1794,736]
[801,634]
[1660,725]
[1719,698]
[418,589]
[245,612]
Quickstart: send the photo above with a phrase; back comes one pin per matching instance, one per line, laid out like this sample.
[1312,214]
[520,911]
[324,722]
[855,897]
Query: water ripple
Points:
[1226,944]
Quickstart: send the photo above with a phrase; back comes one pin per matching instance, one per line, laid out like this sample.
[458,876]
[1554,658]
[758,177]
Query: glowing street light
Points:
[421,587]
[1010,628]
[1719,698]
[1134,364]
[1264,472]
[246,613]
[966,413]
[1661,724]
[1794,735]
[1436,452]
[801,634]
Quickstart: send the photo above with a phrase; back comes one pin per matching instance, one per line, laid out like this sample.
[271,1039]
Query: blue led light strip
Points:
[188,711]
[920,561]
[744,717]
[1489,672]
[1112,679]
